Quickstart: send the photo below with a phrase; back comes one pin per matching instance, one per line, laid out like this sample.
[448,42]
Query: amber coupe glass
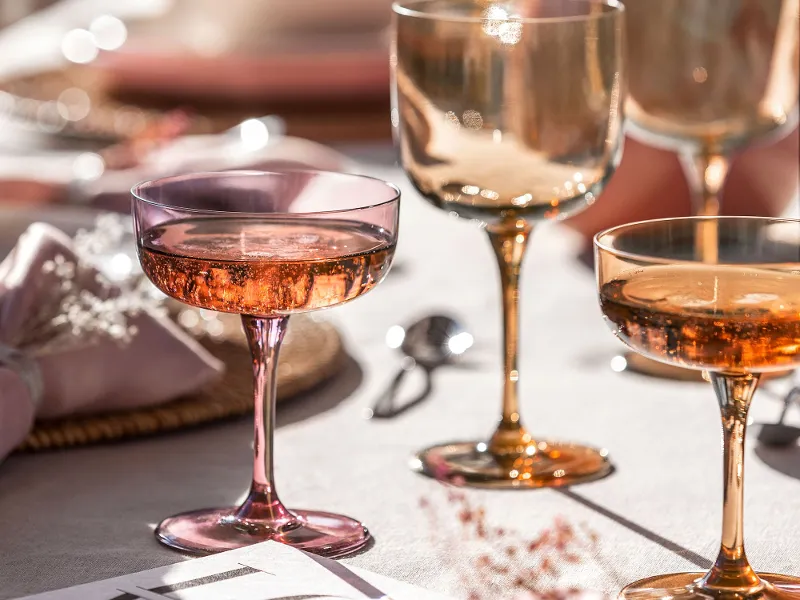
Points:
[738,319]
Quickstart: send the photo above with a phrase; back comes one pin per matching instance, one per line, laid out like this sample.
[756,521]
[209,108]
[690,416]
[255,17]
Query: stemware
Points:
[265,246]
[708,78]
[737,319]
[509,113]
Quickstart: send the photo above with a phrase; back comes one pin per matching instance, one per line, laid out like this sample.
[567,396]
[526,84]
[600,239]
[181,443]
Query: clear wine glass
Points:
[738,318]
[707,79]
[266,246]
[509,113]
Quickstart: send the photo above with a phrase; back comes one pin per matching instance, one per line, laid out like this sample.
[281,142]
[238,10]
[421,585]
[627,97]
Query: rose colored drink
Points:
[265,267]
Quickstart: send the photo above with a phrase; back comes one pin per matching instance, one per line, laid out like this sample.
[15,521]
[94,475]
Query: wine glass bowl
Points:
[265,245]
[509,114]
[733,316]
[707,79]
[712,75]
[736,319]
[511,111]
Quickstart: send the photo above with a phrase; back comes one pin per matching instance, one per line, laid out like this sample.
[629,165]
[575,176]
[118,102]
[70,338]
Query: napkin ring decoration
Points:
[28,370]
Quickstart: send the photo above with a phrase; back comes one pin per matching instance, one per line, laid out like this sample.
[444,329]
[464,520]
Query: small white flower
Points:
[76,315]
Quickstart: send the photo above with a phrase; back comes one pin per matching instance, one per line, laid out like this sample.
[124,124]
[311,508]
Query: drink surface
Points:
[734,319]
[265,266]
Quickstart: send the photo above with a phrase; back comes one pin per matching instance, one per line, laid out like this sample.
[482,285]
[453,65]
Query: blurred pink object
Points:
[197,153]
[308,76]
[566,594]
[91,361]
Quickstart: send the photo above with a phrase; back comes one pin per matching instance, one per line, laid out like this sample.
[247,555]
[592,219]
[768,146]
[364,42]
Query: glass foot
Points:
[684,586]
[216,530]
[542,464]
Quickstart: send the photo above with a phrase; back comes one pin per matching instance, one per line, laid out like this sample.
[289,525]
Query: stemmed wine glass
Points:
[737,319]
[266,246]
[707,79]
[509,113]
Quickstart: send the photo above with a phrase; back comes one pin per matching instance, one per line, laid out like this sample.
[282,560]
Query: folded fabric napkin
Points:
[72,342]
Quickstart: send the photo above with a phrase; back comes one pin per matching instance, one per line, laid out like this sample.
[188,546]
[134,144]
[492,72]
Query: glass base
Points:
[684,586]
[542,464]
[209,531]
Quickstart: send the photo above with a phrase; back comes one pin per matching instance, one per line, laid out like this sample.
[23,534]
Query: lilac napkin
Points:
[71,342]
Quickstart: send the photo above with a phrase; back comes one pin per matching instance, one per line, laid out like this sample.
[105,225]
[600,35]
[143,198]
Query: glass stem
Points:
[509,242]
[706,172]
[264,336]
[731,571]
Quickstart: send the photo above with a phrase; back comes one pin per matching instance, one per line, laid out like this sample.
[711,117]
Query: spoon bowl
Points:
[429,343]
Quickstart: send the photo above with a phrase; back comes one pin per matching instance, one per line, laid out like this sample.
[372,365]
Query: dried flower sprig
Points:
[497,563]
[108,235]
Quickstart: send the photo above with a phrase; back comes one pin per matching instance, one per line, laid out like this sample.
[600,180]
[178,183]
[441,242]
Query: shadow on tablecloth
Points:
[783,460]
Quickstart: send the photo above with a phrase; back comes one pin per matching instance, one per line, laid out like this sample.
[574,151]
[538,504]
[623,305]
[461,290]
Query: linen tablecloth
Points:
[81,515]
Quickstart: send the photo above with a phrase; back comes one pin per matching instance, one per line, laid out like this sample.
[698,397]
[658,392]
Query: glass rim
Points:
[137,188]
[406,8]
[644,258]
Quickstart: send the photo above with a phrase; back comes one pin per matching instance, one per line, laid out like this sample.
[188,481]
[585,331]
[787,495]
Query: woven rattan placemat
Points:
[311,354]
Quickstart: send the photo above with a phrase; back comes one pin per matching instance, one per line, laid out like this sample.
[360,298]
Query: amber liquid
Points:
[265,267]
[719,319]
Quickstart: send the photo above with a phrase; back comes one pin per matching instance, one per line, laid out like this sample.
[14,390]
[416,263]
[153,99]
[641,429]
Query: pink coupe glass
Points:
[266,246]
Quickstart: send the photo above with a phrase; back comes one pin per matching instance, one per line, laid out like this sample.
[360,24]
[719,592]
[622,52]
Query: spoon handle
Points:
[385,407]
[792,397]
[787,402]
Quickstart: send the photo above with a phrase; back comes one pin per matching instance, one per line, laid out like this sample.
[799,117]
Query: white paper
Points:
[267,571]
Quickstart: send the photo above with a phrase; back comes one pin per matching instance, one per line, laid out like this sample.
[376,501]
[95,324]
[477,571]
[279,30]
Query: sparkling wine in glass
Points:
[509,113]
[266,246]
[737,319]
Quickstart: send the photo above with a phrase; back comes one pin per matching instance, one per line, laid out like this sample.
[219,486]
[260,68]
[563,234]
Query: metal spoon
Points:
[780,434]
[428,343]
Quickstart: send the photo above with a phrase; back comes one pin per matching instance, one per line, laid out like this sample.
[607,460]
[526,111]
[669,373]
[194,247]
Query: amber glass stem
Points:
[731,571]
[264,336]
[509,242]
[706,172]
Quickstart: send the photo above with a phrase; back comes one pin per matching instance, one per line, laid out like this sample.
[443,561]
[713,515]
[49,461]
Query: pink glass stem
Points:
[264,336]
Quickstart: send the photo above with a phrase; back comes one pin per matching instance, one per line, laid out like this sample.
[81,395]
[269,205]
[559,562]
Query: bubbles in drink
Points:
[265,266]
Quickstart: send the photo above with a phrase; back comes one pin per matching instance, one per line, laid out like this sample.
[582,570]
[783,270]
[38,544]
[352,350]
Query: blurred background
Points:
[90,88]
[324,69]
